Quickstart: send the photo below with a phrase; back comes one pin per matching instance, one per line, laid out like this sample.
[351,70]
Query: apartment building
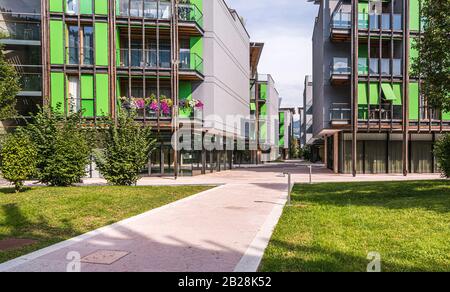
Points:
[286,131]
[368,107]
[307,117]
[176,62]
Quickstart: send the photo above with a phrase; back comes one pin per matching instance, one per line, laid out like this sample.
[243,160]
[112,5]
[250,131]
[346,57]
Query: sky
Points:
[285,26]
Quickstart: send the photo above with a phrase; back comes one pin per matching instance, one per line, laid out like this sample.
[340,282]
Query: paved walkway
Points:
[223,229]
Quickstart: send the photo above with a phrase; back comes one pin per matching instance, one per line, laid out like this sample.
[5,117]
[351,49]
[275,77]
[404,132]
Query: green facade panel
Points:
[398,91]
[414,101]
[362,94]
[414,15]
[56,42]
[374,94]
[101,7]
[388,92]
[57,90]
[101,44]
[185,93]
[87,87]
[86,7]
[263,91]
[102,98]
[87,107]
[56,5]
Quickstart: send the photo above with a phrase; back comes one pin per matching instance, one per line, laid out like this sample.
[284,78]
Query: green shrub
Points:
[127,147]
[18,159]
[9,87]
[62,147]
[442,152]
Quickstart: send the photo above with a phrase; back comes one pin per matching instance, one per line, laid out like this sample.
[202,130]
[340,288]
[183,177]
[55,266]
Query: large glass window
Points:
[73,45]
[88,45]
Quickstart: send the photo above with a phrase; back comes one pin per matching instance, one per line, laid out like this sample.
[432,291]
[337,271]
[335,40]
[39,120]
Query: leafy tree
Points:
[127,147]
[18,159]
[442,152]
[63,150]
[9,87]
[433,63]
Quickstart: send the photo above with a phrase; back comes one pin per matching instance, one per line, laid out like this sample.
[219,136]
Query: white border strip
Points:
[253,256]
[42,252]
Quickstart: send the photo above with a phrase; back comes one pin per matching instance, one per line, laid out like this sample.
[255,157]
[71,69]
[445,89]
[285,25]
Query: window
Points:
[73,45]
[88,45]
[72,6]
[73,100]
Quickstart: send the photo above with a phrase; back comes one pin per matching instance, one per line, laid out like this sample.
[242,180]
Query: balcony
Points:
[340,71]
[16,33]
[374,65]
[341,24]
[150,9]
[191,62]
[188,12]
[380,22]
[145,58]
[340,114]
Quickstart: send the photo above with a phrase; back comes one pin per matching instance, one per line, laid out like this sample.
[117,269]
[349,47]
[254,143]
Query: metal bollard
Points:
[310,174]
[289,188]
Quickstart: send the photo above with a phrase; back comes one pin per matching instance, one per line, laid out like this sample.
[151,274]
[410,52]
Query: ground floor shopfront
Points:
[380,153]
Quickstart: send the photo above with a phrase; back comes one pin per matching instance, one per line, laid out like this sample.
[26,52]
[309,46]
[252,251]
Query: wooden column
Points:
[336,153]
[325,150]
[406,40]
[354,85]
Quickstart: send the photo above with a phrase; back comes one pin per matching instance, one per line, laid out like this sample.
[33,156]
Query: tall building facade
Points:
[176,62]
[368,105]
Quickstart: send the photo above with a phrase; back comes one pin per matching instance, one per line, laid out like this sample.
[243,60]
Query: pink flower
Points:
[199,104]
[154,106]
[140,103]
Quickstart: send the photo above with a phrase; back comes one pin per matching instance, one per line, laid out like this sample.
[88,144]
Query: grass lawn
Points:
[50,215]
[333,227]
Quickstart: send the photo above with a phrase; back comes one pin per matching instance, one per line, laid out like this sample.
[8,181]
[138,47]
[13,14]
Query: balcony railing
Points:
[340,112]
[31,82]
[341,20]
[340,66]
[380,21]
[190,12]
[191,61]
[21,30]
[145,58]
[145,8]
[373,67]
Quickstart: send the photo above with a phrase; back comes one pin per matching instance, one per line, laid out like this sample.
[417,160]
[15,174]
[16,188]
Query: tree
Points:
[63,150]
[18,159]
[9,87]
[442,152]
[127,147]
[433,63]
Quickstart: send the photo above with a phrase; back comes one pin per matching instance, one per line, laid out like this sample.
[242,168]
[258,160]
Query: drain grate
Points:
[104,257]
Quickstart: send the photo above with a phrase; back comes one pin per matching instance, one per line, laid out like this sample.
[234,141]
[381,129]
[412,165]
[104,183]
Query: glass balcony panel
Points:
[164,59]
[363,20]
[397,67]
[21,30]
[151,9]
[31,82]
[374,21]
[342,20]
[386,21]
[385,67]
[185,59]
[124,8]
[164,10]
[72,7]
[397,25]
[136,8]
[341,66]
[362,66]
[340,112]
[373,67]
[190,12]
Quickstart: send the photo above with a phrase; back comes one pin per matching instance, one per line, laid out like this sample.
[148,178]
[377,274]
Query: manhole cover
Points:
[14,243]
[104,257]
